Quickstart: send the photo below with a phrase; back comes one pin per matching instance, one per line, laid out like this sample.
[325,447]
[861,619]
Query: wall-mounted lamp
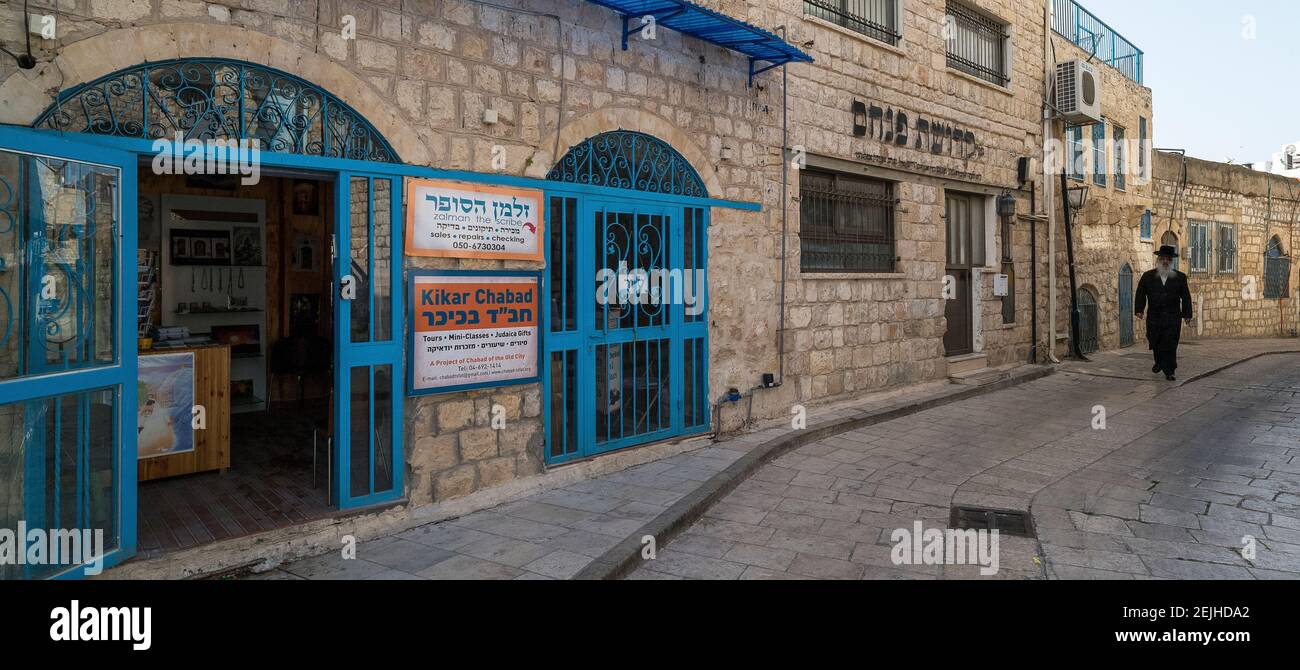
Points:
[1006,206]
[1077,197]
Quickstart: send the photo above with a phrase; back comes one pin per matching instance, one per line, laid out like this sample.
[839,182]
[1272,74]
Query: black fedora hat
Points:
[1168,250]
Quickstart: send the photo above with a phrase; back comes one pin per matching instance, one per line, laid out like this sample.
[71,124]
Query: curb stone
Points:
[626,555]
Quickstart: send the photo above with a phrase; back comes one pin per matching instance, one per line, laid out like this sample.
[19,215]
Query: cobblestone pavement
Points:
[1170,488]
[554,534]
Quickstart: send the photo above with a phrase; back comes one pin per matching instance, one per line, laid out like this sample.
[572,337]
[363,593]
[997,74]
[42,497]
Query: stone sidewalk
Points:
[557,533]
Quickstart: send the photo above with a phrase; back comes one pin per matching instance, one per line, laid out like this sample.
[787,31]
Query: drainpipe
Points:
[1049,193]
[785,205]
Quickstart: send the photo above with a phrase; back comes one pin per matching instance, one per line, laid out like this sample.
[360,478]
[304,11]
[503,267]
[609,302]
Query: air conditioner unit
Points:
[1078,93]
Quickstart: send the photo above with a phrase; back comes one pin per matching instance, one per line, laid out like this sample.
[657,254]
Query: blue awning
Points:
[765,50]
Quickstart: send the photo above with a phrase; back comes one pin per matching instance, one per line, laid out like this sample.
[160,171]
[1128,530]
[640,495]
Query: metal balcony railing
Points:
[1071,21]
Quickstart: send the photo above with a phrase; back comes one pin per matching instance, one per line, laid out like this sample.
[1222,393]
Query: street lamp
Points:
[1077,197]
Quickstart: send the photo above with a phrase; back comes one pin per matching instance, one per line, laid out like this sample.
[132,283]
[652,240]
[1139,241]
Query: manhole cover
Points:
[1007,522]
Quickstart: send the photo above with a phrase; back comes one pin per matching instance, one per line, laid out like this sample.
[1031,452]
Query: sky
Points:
[1220,92]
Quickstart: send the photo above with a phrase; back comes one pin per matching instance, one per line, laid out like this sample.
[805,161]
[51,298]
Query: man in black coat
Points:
[1171,304]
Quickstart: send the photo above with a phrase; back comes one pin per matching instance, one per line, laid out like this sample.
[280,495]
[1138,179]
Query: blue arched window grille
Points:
[631,160]
[219,99]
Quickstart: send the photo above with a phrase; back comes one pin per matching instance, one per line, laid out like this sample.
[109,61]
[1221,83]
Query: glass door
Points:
[68,400]
[368,339]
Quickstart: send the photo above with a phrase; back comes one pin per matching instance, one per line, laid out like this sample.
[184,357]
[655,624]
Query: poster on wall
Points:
[165,392]
[452,219]
[473,329]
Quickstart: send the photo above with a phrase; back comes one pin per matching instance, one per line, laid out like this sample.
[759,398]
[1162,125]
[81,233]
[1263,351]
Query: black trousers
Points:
[1167,359]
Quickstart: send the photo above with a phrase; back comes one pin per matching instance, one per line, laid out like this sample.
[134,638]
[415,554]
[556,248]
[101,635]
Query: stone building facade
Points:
[508,87]
[1237,257]
[1108,232]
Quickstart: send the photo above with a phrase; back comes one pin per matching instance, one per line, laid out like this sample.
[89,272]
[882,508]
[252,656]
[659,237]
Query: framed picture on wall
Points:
[305,200]
[306,255]
[247,242]
[200,247]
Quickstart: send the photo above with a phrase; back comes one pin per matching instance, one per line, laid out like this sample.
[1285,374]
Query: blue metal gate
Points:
[67,354]
[627,338]
[1126,306]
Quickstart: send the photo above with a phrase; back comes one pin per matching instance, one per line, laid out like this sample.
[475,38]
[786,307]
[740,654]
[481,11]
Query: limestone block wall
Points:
[423,72]
[852,333]
[1262,207]
[1107,232]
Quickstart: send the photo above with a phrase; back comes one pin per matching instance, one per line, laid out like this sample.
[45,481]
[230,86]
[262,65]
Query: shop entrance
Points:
[233,284]
[95,433]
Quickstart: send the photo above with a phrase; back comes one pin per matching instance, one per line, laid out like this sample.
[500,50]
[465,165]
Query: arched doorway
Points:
[1089,321]
[1126,306]
[1277,270]
[627,352]
[69,198]
[1171,239]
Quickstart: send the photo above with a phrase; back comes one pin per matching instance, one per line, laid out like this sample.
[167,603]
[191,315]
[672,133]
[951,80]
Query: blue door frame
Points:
[368,348]
[45,382]
[125,153]
[623,375]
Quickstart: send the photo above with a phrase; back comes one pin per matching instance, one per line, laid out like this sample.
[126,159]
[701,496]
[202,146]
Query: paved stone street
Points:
[1169,489]
[1180,475]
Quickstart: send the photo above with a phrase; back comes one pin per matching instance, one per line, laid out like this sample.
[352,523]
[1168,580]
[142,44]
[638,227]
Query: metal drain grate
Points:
[1006,522]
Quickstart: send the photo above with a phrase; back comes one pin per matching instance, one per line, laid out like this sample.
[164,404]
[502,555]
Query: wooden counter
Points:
[212,391]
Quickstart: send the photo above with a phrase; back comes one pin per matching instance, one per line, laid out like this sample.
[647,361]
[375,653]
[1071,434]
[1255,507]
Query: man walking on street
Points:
[1171,304]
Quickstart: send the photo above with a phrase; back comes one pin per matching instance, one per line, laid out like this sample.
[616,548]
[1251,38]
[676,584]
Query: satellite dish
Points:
[1290,150]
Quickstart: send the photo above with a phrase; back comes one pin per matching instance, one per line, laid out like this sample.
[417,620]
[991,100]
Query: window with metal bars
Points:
[1226,253]
[1145,232]
[977,44]
[1121,157]
[846,223]
[1142,147]
[1198,246]
[1075,138]
[1099,154]
[877,19]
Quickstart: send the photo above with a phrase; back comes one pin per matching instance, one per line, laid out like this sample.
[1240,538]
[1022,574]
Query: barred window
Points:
[1142,147]
[877,19]
[1145,232]
[1227,249]
[1198,246]
[1121,156]
[846,223]
[1075,168]
[1099,154]
[977,44]
[1277,271]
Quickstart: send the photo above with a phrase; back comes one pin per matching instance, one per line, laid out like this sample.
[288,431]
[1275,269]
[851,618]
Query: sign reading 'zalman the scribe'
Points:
[451,219]
[473,329]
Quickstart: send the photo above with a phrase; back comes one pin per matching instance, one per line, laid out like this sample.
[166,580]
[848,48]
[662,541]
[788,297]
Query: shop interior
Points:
[236,276]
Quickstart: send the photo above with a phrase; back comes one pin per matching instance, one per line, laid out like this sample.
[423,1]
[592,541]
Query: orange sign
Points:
[472,330]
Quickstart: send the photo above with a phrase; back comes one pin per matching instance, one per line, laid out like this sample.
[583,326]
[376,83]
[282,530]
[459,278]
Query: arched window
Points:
[1088,321]
[631,160]
[1277,271]
[218,99]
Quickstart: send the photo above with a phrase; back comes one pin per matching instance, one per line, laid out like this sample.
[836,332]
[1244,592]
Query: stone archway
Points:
[24,96]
